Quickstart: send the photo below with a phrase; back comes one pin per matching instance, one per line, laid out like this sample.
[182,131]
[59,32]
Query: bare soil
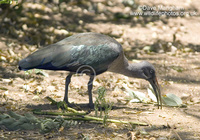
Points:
[178,71]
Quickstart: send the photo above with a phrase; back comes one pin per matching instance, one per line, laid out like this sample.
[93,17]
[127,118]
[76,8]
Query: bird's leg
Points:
[67,81]
[90,86]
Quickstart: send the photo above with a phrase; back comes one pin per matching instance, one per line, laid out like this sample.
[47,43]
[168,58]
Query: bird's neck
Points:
[122,66]
[130,69]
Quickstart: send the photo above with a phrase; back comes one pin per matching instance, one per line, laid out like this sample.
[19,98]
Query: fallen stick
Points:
[84,117]
[60,113]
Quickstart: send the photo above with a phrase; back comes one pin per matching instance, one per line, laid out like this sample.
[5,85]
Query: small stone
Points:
[10,51]
[173,49]
[6,80]
[26,87]
[148,49]
[80,22]
[61,32]
[36,98]
[24,27]
[100,7]
[2,58]
[6,93]
[185,96]
[187,50]
[38,90]
[112,125]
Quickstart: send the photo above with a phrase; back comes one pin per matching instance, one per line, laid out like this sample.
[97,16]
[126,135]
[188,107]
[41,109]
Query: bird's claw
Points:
[91,105]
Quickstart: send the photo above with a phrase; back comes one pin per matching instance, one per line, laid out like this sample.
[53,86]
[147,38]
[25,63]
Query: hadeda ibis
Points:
[93,54]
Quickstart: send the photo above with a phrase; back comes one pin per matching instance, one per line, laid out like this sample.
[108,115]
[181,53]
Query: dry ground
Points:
[177,70]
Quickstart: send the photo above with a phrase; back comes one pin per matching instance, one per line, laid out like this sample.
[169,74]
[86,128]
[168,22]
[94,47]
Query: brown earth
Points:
[176,56]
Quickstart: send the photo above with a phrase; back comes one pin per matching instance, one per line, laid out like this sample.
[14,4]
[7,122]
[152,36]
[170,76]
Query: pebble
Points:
[173,49]
[100,7]
[187,50]
[2,58]
[11,52]
[6,80]
[36,98]
[26,87]
[61,32]
[38,89]
[185,96]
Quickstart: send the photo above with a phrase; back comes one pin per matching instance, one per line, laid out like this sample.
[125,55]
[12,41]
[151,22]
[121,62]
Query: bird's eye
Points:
[151,71]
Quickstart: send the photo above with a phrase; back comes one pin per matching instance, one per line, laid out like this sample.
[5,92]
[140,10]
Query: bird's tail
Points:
[22,65]
[39,59]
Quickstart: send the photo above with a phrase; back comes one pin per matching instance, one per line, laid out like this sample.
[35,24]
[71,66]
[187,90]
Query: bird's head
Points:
[146,70]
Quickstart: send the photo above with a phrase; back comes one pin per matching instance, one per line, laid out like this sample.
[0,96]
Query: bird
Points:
[93,54]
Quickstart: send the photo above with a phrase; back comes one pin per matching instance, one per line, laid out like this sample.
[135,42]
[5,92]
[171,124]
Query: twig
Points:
[116,121]
[60,113]
[87,118]
[84,116]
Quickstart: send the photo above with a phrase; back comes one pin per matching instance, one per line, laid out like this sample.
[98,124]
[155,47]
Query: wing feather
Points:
[95,50]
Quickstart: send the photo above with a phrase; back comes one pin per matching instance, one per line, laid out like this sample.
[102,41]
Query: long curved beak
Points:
[156,88]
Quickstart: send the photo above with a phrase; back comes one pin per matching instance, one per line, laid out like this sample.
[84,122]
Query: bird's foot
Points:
[91,105]
[69,104]
[105,107]
[73,105]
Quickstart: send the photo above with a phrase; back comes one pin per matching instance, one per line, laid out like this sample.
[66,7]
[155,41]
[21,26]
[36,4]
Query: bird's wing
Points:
[95,50]
[97,57]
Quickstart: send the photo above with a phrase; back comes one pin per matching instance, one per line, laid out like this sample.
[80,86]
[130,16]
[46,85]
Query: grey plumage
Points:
[74,51]
[100,52]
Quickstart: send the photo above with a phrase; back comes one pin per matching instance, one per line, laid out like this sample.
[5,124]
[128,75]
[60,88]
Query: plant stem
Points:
[59,113]
[87,118]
